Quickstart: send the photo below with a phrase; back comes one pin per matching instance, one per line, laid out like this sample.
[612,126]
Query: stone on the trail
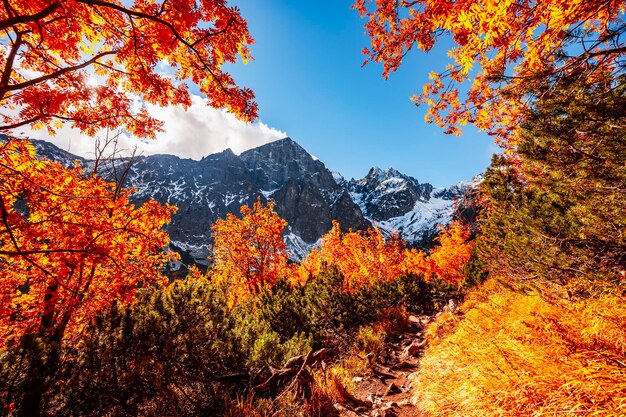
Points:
[340,408]
[374,398]
[405,403]
[357,379]
[392,389]
[414,348]
[390,409]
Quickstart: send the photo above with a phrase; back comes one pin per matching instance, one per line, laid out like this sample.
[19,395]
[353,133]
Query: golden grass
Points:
[515,354]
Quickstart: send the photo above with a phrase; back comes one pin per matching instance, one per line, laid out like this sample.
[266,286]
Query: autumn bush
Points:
[151,357]
[249,253]
[186,349]
[515,353]
[547,337]
[71,243]
[364,258]
[179,350]
[287,404]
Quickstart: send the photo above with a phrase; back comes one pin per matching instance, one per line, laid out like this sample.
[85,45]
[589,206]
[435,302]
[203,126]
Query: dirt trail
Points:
[389,391]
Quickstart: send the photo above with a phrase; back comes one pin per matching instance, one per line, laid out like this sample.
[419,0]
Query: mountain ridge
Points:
[307,194]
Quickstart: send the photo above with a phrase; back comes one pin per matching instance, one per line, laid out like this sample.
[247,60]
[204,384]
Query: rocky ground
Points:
[389,391]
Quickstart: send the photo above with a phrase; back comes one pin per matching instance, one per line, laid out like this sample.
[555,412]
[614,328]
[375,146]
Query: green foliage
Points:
[185,350]
[261,336]
[370,339]
[284,309]
[332,310]
[288,321]
[169,351]
[559,211]
[475,270]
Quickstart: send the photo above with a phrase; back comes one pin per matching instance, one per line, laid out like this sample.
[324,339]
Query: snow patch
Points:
[267,194]
[339,179]
[422,219]
[298,249]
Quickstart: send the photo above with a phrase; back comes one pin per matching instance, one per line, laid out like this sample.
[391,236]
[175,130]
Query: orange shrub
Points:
[69,245]
[446,261]
[249,252]
[515,353]
[362,257]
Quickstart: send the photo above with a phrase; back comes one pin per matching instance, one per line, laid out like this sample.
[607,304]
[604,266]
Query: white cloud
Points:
[193,133]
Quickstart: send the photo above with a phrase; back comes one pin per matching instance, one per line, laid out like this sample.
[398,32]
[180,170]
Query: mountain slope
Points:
[307,195]
[395,202]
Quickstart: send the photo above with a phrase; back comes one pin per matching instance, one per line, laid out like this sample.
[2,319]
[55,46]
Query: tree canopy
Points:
[249,253]
[502,48]
[69,245]
[93,63]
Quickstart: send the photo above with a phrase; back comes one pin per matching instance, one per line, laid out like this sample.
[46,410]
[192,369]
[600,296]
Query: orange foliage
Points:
[56,50]
[249,253]
[514,353]
[446,261]
[501,47]
[69,245]
[362,257]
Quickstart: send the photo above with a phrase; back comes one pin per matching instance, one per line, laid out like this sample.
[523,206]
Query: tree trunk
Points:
[45,357]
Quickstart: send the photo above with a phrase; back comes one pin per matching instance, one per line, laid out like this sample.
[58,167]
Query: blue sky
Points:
[308,80]
[309,84]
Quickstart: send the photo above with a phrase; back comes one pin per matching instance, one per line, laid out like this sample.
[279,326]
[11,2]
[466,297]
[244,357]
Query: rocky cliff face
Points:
[307,195]
[305,192]
[395,202]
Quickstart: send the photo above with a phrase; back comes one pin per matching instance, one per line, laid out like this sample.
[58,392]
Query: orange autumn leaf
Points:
[446,261]
[363,258]
[502,50]
[249,253]
[85,62]
[69,246]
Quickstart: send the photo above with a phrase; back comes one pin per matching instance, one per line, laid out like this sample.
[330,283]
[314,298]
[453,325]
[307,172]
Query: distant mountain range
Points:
[306,194]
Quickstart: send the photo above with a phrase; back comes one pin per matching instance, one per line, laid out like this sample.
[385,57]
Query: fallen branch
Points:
[293,369]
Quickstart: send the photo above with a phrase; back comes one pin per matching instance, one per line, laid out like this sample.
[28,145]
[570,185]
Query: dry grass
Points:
[516,354]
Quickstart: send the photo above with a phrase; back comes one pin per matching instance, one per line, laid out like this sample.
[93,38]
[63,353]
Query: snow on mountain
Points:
[307,195]
[398,203]
[298,248]
[421,222]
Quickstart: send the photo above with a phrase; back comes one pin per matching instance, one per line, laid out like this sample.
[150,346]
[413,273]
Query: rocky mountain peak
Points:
[225,154]
[377,175]
[374,174]
[276,162]
[307,195]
